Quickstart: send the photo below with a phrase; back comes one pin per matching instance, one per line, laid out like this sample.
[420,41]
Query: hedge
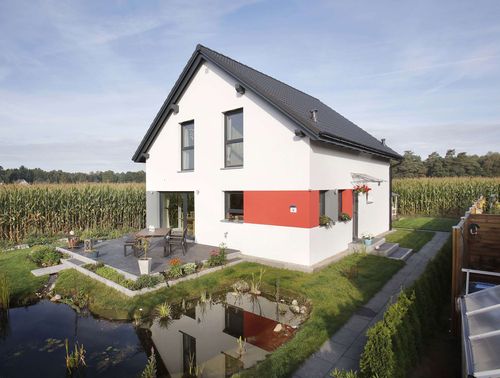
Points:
[396,343]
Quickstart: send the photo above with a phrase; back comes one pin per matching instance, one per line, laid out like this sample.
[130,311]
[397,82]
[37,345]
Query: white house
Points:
[239,157]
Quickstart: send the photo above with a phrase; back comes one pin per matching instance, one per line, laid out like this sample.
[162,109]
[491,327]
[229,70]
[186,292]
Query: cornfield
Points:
[55,209]
[447,196]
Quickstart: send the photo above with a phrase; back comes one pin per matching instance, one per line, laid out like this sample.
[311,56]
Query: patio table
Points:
[158,232]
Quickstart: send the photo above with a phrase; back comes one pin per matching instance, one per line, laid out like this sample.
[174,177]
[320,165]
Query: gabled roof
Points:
[329,126]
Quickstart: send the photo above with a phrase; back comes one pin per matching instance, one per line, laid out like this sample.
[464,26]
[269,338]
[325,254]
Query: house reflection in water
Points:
[207,335]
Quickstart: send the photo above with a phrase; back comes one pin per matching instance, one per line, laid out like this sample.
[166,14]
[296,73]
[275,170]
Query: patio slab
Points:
[111,253]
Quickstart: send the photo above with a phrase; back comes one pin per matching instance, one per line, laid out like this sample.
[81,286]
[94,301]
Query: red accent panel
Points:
[259,331]
[273,207]
[347,201]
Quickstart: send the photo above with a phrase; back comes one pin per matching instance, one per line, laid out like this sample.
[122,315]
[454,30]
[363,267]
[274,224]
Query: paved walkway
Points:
[344,348]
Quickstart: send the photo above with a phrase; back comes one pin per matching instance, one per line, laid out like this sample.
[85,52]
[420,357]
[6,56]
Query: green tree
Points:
[411,166]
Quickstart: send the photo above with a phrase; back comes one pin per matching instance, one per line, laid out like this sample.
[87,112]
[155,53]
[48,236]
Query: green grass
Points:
[17,268]
[333,296]
[410,238]
[426,223]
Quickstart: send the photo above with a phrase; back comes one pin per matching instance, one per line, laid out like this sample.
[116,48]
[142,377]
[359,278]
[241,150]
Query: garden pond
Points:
[216,336]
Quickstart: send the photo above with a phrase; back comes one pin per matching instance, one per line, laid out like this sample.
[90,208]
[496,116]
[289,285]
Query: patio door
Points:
[177,211]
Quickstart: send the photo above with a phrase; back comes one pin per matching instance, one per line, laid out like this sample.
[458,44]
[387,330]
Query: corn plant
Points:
[55,209]
[447,196]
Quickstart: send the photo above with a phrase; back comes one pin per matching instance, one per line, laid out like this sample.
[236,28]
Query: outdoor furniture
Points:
[130,241]
[177,238]
[73,241]
[162,232]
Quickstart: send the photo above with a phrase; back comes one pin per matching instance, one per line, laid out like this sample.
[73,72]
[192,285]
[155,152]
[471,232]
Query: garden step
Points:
[401,254]
[359,246]
[386,249]
[49,270]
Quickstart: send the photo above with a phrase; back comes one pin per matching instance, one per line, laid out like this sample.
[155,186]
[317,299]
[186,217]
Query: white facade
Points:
[274,160]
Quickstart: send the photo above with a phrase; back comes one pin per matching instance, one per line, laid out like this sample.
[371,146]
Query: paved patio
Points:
[111,253]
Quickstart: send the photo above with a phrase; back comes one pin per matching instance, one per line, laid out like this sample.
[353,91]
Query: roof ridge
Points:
[253,69]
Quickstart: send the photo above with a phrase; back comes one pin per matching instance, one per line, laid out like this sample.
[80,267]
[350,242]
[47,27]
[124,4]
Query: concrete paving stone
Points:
[378,302]
[314,367]
[330,351]
[345,336]
[345,363]
[356,349]
[357,323]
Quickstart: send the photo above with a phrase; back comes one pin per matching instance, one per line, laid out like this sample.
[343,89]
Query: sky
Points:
[81,81]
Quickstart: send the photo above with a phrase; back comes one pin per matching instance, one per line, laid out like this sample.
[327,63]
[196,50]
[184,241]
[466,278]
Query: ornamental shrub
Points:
[396,342]
[44,256]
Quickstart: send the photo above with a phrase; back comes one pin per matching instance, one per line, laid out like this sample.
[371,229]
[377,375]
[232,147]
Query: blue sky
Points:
[80,82]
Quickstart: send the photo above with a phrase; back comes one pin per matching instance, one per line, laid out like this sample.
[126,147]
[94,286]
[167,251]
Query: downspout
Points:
[390,191]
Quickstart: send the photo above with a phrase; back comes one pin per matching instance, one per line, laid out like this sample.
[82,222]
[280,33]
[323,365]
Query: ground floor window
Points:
[234,206]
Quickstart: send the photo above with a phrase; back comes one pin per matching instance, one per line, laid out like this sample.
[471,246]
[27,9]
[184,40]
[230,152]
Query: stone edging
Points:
[133,293]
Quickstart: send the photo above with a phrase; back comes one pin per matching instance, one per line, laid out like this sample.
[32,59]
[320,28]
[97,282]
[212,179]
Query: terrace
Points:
[111,253]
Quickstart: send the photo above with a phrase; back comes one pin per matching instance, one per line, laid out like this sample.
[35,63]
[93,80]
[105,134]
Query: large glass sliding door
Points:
[177,211]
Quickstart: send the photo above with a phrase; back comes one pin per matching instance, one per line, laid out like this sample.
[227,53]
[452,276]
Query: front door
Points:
[355,217]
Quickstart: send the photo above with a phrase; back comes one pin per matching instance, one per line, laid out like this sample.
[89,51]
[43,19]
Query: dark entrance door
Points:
[355,217]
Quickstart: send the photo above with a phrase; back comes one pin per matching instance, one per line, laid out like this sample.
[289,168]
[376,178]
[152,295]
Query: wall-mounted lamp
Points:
[239,88]
[473,227]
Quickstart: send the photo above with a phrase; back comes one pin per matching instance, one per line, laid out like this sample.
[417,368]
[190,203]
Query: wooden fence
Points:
[476,245]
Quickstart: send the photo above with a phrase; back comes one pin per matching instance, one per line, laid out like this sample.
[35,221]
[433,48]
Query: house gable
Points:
[328,126]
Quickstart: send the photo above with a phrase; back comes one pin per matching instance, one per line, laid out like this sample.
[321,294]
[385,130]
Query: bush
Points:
[44,256]
[175,270]
[217,257]
[112,275]
[147,281]
[395,343]
[189,268]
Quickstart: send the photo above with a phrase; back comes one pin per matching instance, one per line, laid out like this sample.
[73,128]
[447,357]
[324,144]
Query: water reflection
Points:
[210,337]
[221,336]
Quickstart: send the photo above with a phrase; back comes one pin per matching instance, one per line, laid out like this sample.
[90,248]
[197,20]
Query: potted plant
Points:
[144,261]
[344,217]
[325,221]
[89,249]
[367,239]
[362,189]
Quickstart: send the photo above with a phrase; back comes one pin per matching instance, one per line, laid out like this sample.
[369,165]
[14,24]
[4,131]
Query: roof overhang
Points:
[197,58]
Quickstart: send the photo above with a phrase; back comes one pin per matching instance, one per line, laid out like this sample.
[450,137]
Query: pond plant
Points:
[195,371]
[4,292]
[255,284]
[150,369]
[76,358]
[163,310]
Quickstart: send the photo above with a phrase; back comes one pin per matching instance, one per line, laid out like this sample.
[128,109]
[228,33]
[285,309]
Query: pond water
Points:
[216,336]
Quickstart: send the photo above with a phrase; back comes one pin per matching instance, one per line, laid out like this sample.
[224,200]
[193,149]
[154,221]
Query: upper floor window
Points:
[233,138]
[187,146]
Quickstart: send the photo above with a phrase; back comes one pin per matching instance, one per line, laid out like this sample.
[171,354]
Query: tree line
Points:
[37,175]
[450,165]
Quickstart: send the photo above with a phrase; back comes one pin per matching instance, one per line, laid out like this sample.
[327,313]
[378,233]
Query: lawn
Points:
[333,296]
[410,238]
[426,223]
[17,268]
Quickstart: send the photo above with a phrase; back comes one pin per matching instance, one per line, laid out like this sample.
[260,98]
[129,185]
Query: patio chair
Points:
[177,239]
[131,241]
